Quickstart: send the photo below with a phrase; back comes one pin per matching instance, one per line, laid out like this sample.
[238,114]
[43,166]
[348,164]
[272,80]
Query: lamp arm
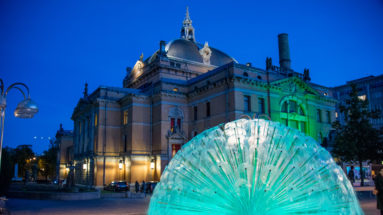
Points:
[1,86]
[14,85]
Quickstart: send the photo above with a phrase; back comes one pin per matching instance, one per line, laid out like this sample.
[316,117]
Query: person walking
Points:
[379,190]
[137,186]
[351,175]
[143,186]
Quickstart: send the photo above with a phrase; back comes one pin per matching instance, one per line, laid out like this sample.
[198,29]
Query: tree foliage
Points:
[356,139]
[22,156]
[47,162]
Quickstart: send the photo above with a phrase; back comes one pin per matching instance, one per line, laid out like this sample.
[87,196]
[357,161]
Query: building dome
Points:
[188,50]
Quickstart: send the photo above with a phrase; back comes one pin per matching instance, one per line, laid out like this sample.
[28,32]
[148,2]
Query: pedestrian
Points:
[143,187]
[351,175]
[379,190]
[137,186]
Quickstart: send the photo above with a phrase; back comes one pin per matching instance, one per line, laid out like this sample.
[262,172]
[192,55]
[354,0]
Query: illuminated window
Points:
[336,114]
[125,117]
[247,103]
[172,124]
[175,149]
[362,97]
[175,89]
[96,119]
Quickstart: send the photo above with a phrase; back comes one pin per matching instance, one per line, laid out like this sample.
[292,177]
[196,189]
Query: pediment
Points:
[176,136]
[294,85]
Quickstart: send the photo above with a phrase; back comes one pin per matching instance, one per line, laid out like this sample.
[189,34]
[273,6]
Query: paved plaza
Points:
[108,206]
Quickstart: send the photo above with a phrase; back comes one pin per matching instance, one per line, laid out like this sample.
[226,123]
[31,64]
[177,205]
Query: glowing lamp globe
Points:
[26,109]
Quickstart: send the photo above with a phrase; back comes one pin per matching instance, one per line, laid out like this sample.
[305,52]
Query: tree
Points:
[47,162]
[23,156]
[356,139]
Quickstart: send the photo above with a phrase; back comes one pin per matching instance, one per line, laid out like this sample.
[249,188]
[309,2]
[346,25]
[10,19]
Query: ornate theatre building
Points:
[132,132]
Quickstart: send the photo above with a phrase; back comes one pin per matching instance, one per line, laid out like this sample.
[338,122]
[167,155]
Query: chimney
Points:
[284,51]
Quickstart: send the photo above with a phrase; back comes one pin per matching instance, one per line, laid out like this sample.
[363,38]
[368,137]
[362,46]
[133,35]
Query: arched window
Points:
[300,111]
[284,107]
[293,115]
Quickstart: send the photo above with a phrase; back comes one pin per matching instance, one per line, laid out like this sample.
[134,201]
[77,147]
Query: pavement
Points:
[111,206]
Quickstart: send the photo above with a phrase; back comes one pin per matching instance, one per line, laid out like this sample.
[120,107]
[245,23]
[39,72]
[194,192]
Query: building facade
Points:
[132,132]
[64,142]
[370,88]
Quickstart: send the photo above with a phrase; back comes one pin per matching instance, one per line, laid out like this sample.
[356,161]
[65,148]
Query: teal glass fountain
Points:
[253,167]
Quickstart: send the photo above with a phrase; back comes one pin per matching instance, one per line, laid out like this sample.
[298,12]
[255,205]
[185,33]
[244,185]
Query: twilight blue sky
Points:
[56,46]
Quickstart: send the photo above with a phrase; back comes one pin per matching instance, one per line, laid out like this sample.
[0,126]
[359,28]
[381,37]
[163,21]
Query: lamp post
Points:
[25,109]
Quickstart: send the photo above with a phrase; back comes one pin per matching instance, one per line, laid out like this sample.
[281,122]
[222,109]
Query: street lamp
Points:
[152,164]
[25,109]
[120,165]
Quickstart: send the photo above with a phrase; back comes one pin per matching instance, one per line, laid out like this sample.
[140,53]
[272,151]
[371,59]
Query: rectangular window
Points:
[247,103]
[175,149]
[179,124]
[328,117]
[172,124]
[208,109]
[125,117]
[302,127]
[319,115]
[362,97]
[125,143]
[261,105]
[195,112]
[95,119]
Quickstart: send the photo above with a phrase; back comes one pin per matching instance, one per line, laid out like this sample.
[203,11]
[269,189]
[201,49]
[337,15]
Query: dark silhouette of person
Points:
[137,186]
[143,187]
[379,189]
[351,175]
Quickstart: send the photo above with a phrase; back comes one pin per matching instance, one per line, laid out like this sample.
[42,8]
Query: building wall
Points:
[133,127]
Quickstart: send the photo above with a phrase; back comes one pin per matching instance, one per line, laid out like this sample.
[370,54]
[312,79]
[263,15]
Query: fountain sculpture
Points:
[253,167]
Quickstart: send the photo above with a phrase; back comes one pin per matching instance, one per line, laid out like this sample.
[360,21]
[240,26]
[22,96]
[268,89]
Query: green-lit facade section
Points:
[253,167]
[293,102]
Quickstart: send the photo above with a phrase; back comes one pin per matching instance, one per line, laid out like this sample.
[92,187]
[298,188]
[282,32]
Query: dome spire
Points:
[187,30]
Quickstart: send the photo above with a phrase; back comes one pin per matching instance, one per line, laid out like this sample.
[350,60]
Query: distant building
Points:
[370,88]
[132,132]
[64,142]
